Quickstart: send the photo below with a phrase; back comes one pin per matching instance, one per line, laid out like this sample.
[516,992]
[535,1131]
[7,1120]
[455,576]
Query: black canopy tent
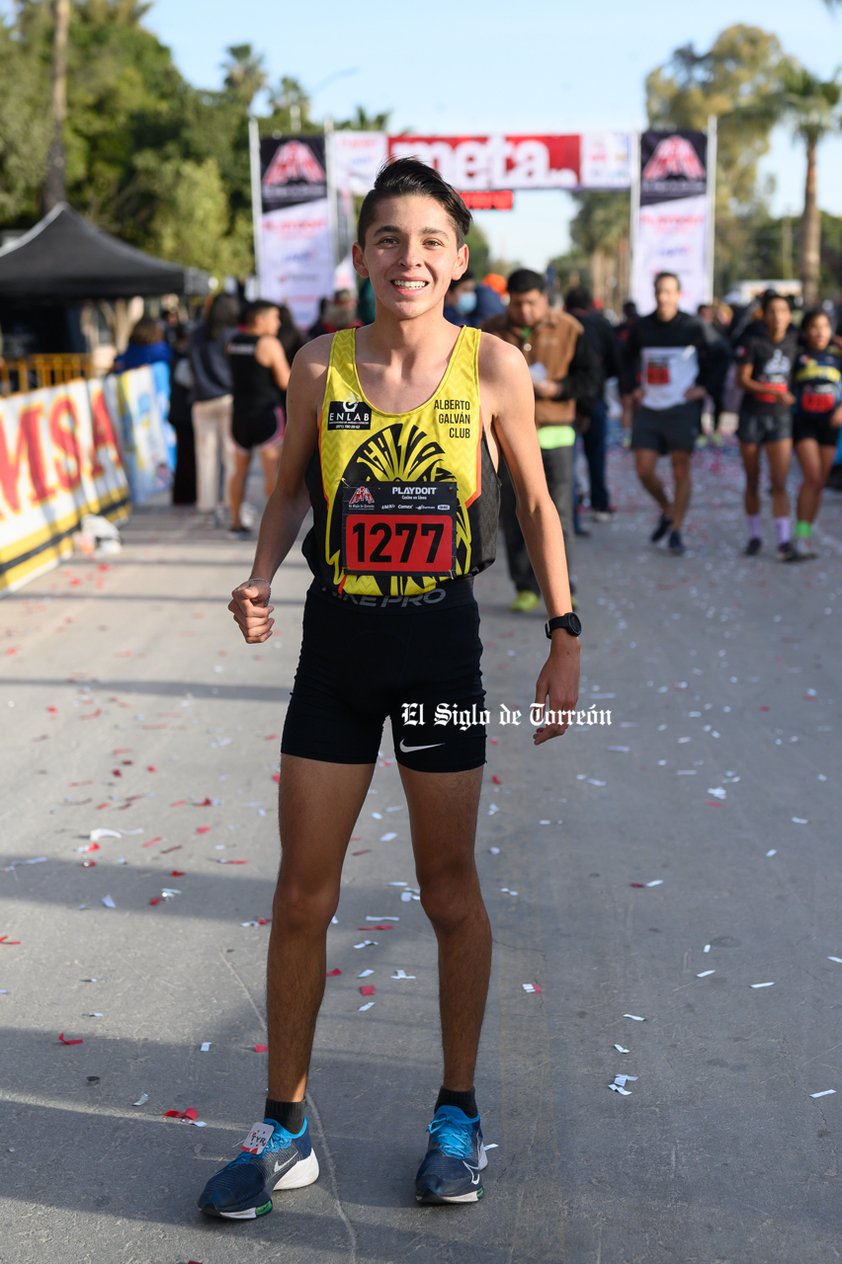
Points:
[64,259]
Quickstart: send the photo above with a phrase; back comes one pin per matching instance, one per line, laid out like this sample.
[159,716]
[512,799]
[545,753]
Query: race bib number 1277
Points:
[399,528]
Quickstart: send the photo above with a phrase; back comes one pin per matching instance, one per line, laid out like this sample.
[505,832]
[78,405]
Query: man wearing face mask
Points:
[565,379]
[471,302]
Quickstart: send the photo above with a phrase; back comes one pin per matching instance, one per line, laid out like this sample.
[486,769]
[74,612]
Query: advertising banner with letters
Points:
[672,232]
[598,160]
[139,402]
[59,459]
[296,249]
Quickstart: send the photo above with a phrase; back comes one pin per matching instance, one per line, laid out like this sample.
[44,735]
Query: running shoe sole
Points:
[431,1199]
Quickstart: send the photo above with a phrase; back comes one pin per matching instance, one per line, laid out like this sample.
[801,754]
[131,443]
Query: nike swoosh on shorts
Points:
[408,749]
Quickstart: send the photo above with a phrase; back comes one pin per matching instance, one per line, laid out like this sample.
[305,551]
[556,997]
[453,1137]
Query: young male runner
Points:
[765,361]
[669,351]
[260,376]
[392,435]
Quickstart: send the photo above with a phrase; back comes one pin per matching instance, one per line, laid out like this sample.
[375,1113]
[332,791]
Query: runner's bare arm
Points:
[270,353]
[286,508]
[507,390]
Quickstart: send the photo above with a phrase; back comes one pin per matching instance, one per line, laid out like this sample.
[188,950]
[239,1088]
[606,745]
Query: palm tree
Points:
[54,178]
[812,107]
[245,73]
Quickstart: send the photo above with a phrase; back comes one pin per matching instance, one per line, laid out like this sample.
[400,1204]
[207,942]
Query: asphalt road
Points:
[131,706]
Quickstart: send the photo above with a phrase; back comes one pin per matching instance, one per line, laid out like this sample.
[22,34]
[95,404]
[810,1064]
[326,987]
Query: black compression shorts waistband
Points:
[457,592]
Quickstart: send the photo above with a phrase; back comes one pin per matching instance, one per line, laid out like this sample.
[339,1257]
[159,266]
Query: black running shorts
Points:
[415,660]
[818,428]
[757,428]
[670,430]
[258,432]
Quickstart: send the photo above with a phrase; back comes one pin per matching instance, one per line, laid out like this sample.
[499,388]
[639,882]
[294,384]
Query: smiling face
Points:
[411,254]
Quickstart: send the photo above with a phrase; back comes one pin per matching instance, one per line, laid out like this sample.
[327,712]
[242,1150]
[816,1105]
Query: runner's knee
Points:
[303,907]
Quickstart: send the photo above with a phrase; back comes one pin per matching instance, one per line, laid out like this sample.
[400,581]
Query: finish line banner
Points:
[59,460]
[590,160]
[672,230]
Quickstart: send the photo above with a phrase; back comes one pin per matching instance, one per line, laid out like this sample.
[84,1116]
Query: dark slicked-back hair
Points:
[770,297]
[666,276]
[256,308]
[408,177]
[522,280]
[579,297]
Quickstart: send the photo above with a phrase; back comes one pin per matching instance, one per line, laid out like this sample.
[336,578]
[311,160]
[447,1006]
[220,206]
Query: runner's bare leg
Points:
[318,807]
[443,819]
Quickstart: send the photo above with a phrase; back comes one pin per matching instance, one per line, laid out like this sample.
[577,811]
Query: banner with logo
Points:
[600,160]
[139,403]
[59,459]
[672,232]
[296,249]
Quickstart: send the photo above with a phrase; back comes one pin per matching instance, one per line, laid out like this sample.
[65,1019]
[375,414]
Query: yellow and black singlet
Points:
[402,502]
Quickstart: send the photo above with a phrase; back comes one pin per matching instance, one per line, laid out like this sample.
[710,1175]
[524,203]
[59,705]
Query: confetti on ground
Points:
[7,942]
[189,1116]
[761,985]
[494,851]
[800,820]
[772,852]
[622,1049]
[618,1084]
[401,974]
[261,1048]
[387,838]
[705,973]
[204,1047]
[506,891]
[365,974]
[636,1018]
[368,1005]
[706,948]
[331,974]
[367,943]
[142,1100]
[838,960]
[64,1040]
[826,1092]
[385,918]
[108,902]
[531,987]
[368,989]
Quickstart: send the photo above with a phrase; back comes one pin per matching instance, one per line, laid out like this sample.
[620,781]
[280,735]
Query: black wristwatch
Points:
[571,623]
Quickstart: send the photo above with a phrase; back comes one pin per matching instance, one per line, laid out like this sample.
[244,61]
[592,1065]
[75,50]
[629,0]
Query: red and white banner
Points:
[590,160]
[59,460]
[672,231]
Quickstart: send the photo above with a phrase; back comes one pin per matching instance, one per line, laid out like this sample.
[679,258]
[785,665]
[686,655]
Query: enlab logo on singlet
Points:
[348,414]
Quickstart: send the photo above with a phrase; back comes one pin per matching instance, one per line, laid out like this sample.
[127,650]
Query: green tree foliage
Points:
[25,130]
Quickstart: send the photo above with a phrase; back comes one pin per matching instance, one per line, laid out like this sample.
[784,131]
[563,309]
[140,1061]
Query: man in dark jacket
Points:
[600,336]
[565,379]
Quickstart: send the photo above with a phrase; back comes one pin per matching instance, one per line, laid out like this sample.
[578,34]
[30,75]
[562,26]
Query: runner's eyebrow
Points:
[393,228]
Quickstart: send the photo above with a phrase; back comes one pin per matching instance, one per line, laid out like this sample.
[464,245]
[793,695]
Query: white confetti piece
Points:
[620,749]
[636,1018]
[506,891]
[618,1088]
[761,985]
[592,781]
[771,852]
[623,1080]
[384,918]
[492,808]
[494,851]
[706,948]
[825,1092]
[838,960]
[406,896]
[717,792]
[545,822]
[401,974]
[531,987]
[800,820]
[656,882]
[387,838]
[204,1047]
[622,1049]
[378,816]
[142,1100]
[364,974]
[398,884]
[95,1013]
[363,1008]
[108,901]
[367,943]
[704,974]
[96,835]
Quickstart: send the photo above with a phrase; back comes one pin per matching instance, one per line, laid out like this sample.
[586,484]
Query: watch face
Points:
[574,623]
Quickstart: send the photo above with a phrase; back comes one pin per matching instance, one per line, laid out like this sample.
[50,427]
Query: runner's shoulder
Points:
[498,359]
[309,368]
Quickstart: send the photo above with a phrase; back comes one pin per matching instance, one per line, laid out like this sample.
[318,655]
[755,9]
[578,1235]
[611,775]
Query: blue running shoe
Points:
[271,1158]
[455,1157]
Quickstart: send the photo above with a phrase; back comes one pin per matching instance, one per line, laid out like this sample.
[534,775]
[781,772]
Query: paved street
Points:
[132,706]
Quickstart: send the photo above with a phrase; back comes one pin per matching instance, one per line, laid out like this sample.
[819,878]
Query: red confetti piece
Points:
[156,899]
[176,873]
[498,781]
[225,861]
[53,710]
[179,803]
[151,768]
[276,777]
[204,803]
[152,842]
[363,852]
[331,974]
[368,989]
[203,829]
[165,851]
[190,1114]
[271,737]
[382,926]
[92,847]
[7,942]
[62,1039]
[638,886]
[89,864]
[261,1048]
[115,772]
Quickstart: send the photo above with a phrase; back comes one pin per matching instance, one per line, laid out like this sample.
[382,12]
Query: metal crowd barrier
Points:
[33,372]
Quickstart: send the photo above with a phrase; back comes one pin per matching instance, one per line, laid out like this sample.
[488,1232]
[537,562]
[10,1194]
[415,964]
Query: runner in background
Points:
[765,360]
[816,421]
[669,356]
[259,376]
